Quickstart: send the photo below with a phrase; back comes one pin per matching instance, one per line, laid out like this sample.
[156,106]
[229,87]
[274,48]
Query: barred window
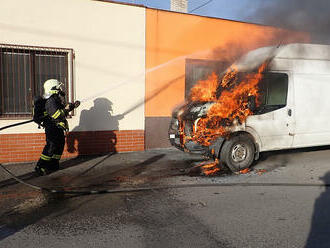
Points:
[24,69]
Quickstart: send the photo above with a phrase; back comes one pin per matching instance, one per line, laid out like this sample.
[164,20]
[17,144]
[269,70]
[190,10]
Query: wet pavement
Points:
[281,202]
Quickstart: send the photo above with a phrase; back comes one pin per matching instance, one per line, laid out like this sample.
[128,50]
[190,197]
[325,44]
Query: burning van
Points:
[273,98]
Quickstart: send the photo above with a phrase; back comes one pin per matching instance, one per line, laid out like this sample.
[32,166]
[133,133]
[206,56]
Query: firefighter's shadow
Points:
[90,136]
[320,226]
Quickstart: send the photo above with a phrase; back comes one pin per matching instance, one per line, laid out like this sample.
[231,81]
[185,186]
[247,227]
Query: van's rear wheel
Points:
[237,153]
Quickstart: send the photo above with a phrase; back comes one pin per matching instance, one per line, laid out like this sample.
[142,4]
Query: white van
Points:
[295,111]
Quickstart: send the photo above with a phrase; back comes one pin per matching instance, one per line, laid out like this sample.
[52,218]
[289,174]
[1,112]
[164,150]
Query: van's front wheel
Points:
[237,153]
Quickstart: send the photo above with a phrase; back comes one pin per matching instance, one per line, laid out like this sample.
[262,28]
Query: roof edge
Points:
[191,14]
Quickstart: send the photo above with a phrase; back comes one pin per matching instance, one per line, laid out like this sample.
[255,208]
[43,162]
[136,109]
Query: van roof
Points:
[292,51]
[256,57]
[304,51]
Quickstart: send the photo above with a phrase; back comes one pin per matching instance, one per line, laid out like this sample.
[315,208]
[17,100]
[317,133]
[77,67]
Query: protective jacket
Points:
[55,124]
[56,112]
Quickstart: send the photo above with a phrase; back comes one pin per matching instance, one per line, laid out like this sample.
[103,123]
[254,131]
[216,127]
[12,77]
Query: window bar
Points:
[40,81]
[45,69]
[66,79]
[58,64]
[53,65]
[29,80]
[35,72]
[7,81]
[72,74]
[32,76]
[11,105]
[60,72]
[26,93]
[14,80]
[46,66]
[19,79]
[44,59]
[49,65]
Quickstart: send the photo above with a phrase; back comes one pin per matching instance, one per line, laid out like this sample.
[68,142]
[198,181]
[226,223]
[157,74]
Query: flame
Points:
[244,171]
[205,90]
[210,168]
[229,77]
[231,107]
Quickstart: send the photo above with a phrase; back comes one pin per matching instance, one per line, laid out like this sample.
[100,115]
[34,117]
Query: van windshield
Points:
[273,90]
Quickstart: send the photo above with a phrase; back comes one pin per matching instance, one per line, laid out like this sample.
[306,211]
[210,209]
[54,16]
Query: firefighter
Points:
[55,125]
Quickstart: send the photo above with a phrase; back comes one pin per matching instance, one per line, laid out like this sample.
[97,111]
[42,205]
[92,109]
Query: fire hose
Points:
[155,188]
[85,192]
[62,189]
[15,124]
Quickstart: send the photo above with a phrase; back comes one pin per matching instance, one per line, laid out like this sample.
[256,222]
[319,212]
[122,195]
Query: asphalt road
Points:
[282,202]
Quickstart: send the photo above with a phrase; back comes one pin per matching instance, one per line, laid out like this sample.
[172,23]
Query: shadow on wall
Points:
[319,234]
[88,138]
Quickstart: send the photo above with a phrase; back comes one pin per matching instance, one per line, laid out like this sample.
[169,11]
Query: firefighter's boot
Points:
[41,168]
[54,165]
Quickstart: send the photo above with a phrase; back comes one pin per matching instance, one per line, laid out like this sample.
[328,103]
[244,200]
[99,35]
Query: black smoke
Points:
[312,16]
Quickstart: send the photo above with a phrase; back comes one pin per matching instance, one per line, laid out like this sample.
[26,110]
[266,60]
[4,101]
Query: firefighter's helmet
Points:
[52,86]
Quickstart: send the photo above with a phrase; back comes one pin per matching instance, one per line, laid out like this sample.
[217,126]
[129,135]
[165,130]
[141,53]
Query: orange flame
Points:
[205,90]
[231,107]
[210,168]
[244,171]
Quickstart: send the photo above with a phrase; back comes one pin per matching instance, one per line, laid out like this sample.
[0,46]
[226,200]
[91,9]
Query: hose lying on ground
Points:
[137,189]
[153,188]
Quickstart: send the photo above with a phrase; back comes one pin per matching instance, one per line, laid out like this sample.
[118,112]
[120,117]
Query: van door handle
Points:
[289,112]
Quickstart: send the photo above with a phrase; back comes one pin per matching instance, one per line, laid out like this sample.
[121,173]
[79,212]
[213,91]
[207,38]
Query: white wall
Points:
[109,44]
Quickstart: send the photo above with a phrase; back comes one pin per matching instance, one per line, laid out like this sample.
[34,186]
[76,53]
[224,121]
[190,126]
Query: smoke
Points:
[302,15]
[228,53]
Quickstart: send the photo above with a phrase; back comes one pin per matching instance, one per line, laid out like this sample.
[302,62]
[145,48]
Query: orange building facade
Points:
[182,49]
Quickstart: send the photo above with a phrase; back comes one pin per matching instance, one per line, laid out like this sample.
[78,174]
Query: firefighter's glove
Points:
[76,104]
[69,107]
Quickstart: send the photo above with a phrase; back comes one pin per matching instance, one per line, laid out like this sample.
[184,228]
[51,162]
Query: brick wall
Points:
[27,147]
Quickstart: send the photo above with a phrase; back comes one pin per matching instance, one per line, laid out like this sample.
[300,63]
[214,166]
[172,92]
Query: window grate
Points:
[24,69]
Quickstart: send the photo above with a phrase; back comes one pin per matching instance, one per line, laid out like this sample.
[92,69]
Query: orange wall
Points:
[172,37]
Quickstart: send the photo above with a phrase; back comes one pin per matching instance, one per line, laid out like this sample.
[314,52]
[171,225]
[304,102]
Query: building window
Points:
[24,69]
[197,69]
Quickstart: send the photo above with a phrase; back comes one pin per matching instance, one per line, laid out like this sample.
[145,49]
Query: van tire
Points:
[237,153]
